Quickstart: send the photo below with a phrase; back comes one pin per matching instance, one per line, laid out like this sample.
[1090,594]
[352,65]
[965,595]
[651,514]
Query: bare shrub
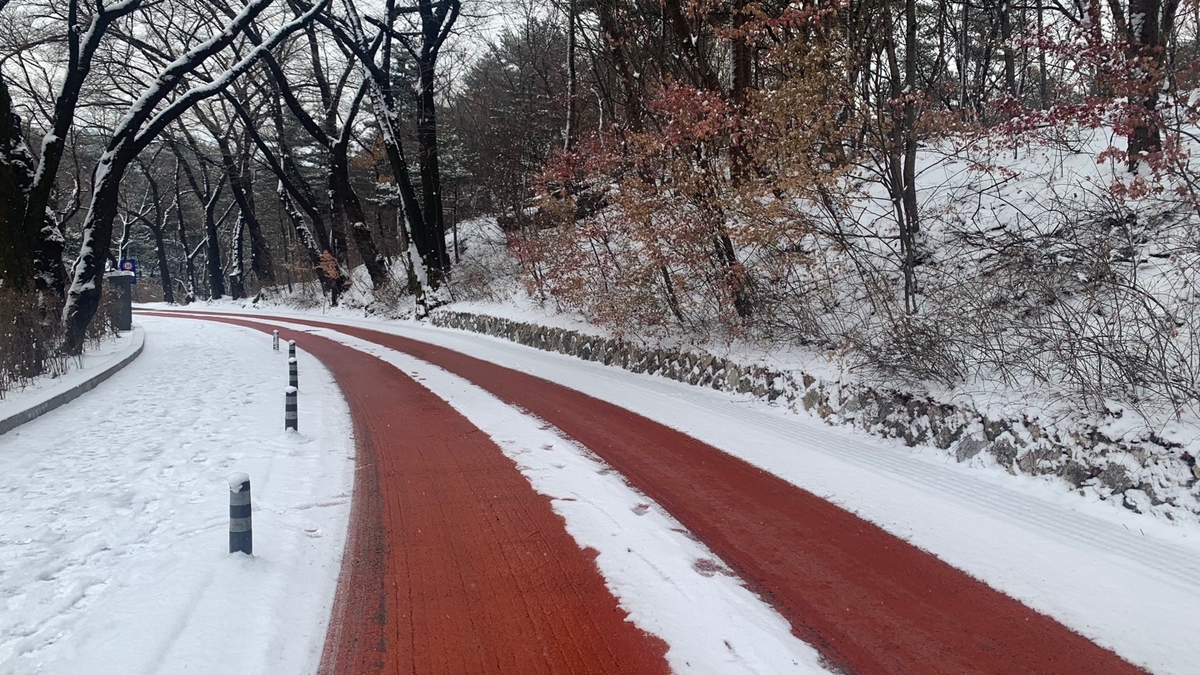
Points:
[486,270]
[31,339]
[1095,303]
[102,327]
[1086,296]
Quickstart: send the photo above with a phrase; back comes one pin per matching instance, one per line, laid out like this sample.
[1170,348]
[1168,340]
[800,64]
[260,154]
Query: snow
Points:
[114,545]
[1125,580]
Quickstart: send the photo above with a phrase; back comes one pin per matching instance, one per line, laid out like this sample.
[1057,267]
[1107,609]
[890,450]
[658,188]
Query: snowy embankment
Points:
[114,548]
[1123,579]
[1057,332]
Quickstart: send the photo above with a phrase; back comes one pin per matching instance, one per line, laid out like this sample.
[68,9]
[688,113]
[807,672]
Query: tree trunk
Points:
[572,78]
[241,185]
[262,263]
[164,267]
[216,276]
[1043,76]
[911,226]
[16,176]
[237,285]
[87,274]
[1010,58]
[743,70]
[324,265]
[188,266]
[349,207]
[436,261]
[1146,45]
[900,151]
[156,230]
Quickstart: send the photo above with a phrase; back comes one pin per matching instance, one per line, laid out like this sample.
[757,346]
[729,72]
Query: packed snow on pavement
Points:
[114,545]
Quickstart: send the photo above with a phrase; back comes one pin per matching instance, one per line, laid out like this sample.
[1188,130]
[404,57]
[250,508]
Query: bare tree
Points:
[157,226]
[433,24]
[33,242]
[145,118]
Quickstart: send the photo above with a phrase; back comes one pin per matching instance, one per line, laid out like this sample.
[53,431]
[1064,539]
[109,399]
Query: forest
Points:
[932,191]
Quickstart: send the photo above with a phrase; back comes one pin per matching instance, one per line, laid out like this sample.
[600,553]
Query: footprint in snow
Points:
[709,567]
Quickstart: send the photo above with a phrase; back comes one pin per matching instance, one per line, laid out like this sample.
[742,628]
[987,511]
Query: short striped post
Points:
[275,341]
[241,535]
[290,420]
[291,349]
[293,374]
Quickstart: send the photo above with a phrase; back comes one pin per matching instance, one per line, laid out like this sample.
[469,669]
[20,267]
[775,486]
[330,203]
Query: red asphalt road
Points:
[871,603]
[453,564]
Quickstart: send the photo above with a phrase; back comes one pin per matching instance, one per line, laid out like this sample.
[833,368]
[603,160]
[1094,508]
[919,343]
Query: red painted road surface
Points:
[453,564]
[871,603]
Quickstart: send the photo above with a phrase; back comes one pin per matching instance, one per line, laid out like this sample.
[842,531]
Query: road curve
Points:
[871,603]
[453,564]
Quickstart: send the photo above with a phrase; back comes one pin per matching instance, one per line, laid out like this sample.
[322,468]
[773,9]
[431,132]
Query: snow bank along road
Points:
[868,601]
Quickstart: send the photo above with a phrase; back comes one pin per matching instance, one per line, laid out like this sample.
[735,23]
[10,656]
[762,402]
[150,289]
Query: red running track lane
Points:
[453,564]
[871,603]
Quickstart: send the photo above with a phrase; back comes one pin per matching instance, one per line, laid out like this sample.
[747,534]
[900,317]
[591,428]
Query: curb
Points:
[106,371]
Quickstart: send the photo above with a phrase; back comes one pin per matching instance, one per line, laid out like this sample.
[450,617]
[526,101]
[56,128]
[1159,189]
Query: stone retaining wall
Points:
[1145,473]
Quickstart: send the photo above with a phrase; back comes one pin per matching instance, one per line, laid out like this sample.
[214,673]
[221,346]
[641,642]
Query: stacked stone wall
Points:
[1143,473]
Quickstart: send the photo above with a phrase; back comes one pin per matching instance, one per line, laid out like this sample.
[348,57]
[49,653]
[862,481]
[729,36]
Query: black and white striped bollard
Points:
[290,420]
[275,341]
[241,536]
[293,373]
[291,349]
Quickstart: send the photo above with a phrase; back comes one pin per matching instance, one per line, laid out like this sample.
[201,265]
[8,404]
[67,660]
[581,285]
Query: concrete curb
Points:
[117,362]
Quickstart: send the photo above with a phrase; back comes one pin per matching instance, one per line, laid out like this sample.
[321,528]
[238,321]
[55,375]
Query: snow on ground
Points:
[659,574]
[114,545]
[1125,580]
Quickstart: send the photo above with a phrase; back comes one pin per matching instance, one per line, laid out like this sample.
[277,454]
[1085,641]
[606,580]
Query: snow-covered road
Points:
[113,540]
